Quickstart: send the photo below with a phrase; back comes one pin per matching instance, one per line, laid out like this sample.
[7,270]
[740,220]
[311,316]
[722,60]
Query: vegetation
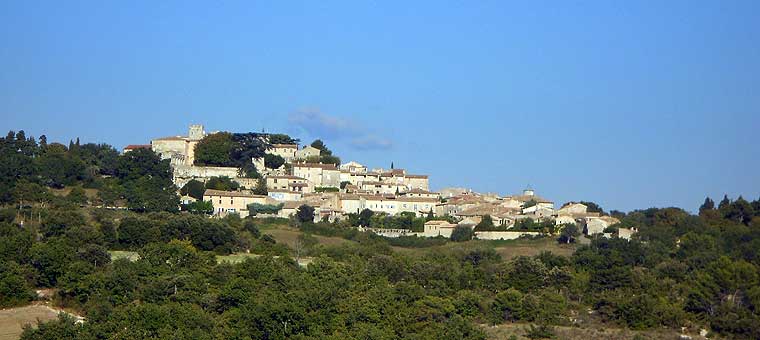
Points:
[678,270]
[325,155]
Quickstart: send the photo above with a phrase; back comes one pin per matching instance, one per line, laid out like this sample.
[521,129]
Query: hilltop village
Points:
[334,190]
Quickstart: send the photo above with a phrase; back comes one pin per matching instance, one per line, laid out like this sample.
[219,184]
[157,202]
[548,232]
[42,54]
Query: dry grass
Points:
[507,249]
[515,248]
[505,331]
[12,320]
[289,235]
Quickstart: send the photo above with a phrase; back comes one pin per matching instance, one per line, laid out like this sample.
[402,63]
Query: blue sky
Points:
[631,104]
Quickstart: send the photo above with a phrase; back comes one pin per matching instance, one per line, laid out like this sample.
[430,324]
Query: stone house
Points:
[230,202]
[307,152]
[286,151]
[438,228]
[317,174]
[180,149]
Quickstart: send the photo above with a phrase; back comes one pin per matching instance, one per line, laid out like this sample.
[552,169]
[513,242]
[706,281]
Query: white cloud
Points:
[329,127]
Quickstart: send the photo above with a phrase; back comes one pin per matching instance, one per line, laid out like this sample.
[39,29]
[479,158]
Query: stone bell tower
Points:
[196,132]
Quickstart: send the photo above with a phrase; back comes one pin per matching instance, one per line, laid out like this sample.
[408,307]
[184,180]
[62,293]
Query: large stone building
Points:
[180,149]
[318,175]
[233,202]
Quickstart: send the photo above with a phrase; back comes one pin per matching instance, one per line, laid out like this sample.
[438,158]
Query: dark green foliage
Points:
[258,208]
[200,207]
[708,205]
[215,150]
[325,156]
[592,207]
[485,224]
[64,328]
[261,187]
[14,289]
[365,217]
[221,183]
[273,161]
[77,196]
[542,331]
[194,189]
[326,189]
[462,233]
[280,138]
[569,233]
[305,214]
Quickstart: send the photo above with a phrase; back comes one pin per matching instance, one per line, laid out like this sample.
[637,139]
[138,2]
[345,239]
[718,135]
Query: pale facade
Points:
[180,149]
[416,192]
[284,195]
[232,202]
[382,187]
[318,175]
[286,151]
[307,152]
[286,182]
[355,203]
[438,228]
[353,167]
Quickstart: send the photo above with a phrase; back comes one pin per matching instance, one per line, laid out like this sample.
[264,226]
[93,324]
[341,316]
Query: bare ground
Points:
[12,320]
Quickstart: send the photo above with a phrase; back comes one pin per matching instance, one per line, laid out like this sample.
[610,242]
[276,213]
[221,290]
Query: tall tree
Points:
[215,149]
[709,204]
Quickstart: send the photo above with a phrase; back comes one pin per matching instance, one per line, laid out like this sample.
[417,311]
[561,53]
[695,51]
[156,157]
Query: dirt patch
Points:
[12,320]
[517,331]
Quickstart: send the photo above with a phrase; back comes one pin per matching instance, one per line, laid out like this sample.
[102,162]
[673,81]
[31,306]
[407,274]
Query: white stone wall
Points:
[502,235]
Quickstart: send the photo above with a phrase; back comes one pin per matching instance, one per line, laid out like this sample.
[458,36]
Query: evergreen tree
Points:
[261,187]
[724,203]
[708,205]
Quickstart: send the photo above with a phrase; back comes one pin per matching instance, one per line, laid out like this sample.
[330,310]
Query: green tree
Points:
[14,289]
[462,233]
[485,224]
[77,196]
[709,204]
[201,207]
[215,149]
[592,207]
[365,217]
[569,233]
[305,214]
[273,161]
[194,189]
[261,187]
[221,183]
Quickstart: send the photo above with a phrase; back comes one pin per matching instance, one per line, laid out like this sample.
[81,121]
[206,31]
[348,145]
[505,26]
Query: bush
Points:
[462,233]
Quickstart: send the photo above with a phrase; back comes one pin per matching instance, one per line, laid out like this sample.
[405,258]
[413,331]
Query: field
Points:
[289,235]
[507,249]
[13,319]
[517,331]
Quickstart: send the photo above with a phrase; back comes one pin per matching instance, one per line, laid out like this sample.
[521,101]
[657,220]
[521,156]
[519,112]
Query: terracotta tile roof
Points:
[285,146]
[417,176]
[284,190]
[526,198]
[419,191]
[212,192]
[171,138]
[137,146]
[286,177]
[291,204]
[315,165]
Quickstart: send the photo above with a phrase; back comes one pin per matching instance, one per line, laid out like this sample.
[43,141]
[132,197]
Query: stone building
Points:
[233,202]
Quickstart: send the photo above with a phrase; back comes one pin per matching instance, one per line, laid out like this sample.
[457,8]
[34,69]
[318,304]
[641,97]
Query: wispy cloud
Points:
[321,125]
[371,142]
